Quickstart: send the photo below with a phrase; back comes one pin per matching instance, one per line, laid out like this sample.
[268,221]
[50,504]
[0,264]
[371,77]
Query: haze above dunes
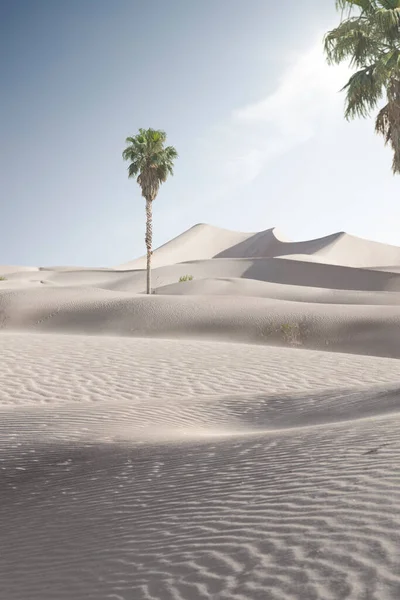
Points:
[250,451]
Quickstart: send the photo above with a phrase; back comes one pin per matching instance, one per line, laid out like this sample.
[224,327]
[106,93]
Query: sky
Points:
[244,93]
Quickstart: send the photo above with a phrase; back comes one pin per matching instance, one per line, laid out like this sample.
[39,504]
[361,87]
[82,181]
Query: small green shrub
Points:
[185,278]
[3,278]
[291,334]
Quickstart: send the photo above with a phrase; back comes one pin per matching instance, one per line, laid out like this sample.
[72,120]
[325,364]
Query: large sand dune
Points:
[204,241]
[235,436]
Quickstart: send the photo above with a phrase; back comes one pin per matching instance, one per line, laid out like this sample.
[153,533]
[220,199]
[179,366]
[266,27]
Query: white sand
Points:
[231,437]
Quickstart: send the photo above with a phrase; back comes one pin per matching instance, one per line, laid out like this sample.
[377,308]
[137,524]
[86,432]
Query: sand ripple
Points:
[151,469]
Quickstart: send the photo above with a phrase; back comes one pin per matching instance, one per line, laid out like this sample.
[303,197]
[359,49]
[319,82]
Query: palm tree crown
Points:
[150,161]
[369,37]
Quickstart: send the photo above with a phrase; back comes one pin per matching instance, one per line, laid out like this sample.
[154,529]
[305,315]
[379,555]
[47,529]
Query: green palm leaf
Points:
[368,38]
[363,92]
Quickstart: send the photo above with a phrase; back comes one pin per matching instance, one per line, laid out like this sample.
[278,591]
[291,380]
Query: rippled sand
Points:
[147,453]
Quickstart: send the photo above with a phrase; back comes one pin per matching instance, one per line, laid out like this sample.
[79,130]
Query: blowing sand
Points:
[235,436]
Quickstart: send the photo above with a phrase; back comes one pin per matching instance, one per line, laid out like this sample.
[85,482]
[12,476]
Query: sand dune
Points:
[204,242]
[6,269]
[360,329]
[235,436]
[235,286]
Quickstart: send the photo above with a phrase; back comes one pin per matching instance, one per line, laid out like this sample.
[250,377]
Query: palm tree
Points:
[151,162]
[369,37]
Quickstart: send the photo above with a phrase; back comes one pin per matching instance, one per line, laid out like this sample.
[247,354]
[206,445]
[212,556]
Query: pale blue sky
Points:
[241,89]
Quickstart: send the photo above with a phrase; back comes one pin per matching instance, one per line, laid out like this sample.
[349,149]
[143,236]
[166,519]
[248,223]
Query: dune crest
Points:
[204,241]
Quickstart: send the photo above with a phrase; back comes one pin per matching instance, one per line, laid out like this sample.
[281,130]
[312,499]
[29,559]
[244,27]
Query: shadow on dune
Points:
[266,244]
[206,519]
[335,328]
[294,272]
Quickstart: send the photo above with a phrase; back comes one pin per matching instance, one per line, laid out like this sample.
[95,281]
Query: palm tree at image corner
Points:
[368,37]
[150,162]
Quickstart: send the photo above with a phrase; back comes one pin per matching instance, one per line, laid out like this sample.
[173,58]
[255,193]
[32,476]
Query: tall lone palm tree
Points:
[151,162]
[369,37]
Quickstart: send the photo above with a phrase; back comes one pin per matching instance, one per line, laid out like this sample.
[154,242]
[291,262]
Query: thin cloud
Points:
[305,100]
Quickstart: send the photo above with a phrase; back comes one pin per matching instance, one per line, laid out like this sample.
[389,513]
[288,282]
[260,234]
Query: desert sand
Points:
[232,436]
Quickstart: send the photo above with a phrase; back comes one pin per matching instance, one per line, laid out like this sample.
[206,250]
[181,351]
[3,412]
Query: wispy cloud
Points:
[305,99]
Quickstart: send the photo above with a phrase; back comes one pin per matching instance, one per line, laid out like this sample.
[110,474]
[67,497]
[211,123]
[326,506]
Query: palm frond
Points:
[163,171]
[363,92]
[351,40]
[388,18]
[391,60]
[389,4]
[127,153]
[365,5]
[134,169]
[171,153]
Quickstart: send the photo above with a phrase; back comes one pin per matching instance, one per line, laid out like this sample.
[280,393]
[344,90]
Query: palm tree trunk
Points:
[149,241]
[388,123]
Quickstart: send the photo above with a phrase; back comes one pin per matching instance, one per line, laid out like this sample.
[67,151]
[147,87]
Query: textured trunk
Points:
[394,115]
[388,123]
[149,241]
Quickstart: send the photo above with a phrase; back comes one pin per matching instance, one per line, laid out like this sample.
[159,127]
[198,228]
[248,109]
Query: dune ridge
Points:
[231,437]
[205,241]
